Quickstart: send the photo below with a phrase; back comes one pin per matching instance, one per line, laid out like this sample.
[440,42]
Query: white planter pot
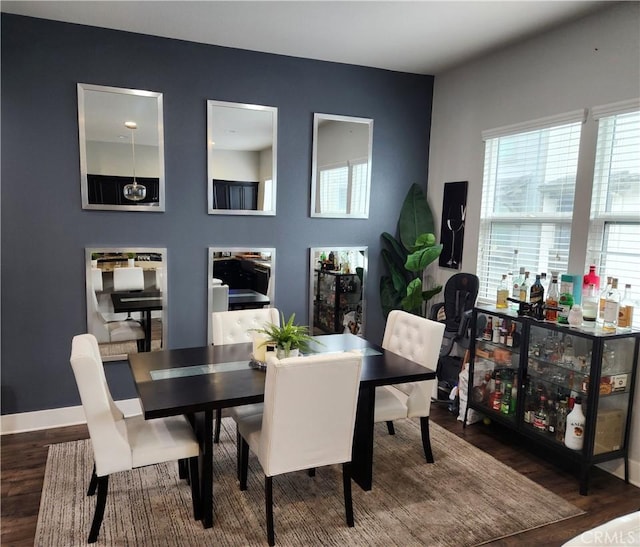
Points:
[131,262]
[280,353]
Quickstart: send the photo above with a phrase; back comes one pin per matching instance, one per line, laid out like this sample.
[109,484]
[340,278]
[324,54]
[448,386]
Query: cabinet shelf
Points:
[558,364]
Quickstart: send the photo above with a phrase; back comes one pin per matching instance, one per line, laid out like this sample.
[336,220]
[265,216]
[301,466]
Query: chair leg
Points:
[426,439]
[216,434]
[194,478]
[268,501]
[348,501]
[101,502]
[312,471]
[183,469]
[140,345]
[238,452]
[93,483]
[390,428]
[244,463]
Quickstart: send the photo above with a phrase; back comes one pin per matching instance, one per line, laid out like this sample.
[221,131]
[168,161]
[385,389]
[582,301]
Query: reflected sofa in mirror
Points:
[241,158]
[121,148]
[126,292]
[337,283]
[247,278]
[341,166]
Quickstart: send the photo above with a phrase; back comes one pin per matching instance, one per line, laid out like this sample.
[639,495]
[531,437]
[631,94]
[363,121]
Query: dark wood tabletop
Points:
[244,299]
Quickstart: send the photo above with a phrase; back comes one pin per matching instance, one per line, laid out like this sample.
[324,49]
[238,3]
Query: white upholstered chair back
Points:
[234,327]
[417,339]
[96,279]
[105,421]
[128,279]
[299,429]
[219,298]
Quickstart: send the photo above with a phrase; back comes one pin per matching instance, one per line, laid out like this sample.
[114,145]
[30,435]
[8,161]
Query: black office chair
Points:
[460,293]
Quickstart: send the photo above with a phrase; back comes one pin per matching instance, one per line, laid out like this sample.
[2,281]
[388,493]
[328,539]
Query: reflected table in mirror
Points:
[244,299]
[139,301]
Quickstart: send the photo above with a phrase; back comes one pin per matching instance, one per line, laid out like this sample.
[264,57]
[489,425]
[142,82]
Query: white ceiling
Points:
[423,37]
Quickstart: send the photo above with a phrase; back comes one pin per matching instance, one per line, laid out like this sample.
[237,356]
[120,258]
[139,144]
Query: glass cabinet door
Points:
[495,365]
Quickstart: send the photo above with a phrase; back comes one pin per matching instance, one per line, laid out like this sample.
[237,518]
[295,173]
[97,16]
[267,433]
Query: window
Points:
[343,187]
[614,224]
[527,198]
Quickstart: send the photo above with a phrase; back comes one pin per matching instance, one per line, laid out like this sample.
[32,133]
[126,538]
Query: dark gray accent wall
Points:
[45,230]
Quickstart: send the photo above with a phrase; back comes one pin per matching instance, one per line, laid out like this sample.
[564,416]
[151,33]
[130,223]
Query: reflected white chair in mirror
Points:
[417,339]
[236,327]
[128,279]
[96,279]
[297,429]
[124,443]
[113,331]
[219,298]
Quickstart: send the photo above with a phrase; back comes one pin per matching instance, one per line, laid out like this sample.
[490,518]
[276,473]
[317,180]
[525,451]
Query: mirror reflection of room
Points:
[337,289]
[341,166]
[121,148]
[242,143]
[125,300]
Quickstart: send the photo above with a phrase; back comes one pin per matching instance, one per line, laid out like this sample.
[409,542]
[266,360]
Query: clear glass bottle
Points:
[611,307]
[601,300]
[524,288]
[545,282]
[515,293]
[591,278]
[536,293]
[552,300]
[561,420]
[590,305]
[574,429]
[502,293]
[625,313]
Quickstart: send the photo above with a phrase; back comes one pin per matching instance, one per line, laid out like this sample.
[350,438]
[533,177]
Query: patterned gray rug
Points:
[466,498]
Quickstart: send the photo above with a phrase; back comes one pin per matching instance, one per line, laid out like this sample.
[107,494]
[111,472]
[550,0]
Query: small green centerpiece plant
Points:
[288,338]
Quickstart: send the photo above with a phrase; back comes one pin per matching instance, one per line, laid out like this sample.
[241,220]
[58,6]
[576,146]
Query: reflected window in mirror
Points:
[240,278]
[341,166]
[242,152]
[337,289]
[126,292]
[121,148]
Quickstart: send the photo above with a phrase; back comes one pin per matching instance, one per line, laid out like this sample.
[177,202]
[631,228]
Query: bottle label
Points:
[538,423]
[502,296]
[610,312]
[625,315]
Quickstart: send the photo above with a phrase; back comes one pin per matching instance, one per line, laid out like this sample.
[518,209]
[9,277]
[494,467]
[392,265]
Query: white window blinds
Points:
[527,199]
[614,227]
[343,188]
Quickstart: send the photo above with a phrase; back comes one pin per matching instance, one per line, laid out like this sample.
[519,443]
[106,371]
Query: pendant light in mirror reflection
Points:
[241,158]
[336,289]
[134,191]
[126,294]
[341,166]
[121,134]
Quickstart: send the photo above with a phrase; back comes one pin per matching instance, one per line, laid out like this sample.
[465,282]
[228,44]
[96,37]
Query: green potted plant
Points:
[288,338]
[94,259]
[131,260]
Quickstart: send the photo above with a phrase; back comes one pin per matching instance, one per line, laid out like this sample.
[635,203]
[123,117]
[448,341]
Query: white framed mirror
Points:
[337,283]
[121,137]
[240,278]
[341,166]
[241,158]
[126,295]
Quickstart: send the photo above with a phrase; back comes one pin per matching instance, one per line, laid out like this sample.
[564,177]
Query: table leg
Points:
[147,330]
[204,431]
[362,452]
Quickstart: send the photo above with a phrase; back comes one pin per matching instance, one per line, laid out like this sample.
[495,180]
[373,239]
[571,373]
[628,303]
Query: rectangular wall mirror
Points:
[336,289]
[126,289]
[240,278]
[121,148]
[341,166]
[241,154]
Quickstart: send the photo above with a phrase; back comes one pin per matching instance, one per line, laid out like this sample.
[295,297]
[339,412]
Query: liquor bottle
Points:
[575,316]
[516,286]
[541,417]
[495,402]
[611,307]
[625,314]
[552,300]
[601,300]
[561,420]
[545,282]
[536,293]
[530,404]
[574,432]
[590,305]
[513,270]
[509,340]
[487,334]
[496,332]
[552,417]
[590,278]
[503,333]
[502,293]
[565,302]
[524,288]
[506,405]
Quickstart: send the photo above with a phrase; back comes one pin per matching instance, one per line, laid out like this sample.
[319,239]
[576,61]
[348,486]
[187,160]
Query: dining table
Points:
[200,380]
[245,299]
[144,301]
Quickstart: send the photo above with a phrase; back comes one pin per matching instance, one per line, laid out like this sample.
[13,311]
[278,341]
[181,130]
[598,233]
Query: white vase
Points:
[131,262]
[94,262]
[281,353]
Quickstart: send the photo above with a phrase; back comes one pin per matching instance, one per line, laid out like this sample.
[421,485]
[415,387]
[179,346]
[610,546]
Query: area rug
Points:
[465,498]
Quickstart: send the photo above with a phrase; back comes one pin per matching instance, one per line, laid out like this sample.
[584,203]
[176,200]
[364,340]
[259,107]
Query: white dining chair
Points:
[417,339]
[112,331]
[123,443]
[236,327]
[297,429]
[128,279]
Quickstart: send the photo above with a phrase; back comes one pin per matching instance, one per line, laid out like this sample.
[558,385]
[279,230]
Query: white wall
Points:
[108,158]
[236,165]
[591,62]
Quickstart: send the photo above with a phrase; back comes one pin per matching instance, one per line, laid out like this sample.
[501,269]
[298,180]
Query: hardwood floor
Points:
[24,457]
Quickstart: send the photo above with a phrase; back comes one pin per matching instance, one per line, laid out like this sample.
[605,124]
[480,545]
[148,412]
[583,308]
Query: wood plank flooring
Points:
[24,457]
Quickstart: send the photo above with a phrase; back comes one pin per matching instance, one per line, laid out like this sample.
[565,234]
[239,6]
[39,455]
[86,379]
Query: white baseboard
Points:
[616,467]
[57,417]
